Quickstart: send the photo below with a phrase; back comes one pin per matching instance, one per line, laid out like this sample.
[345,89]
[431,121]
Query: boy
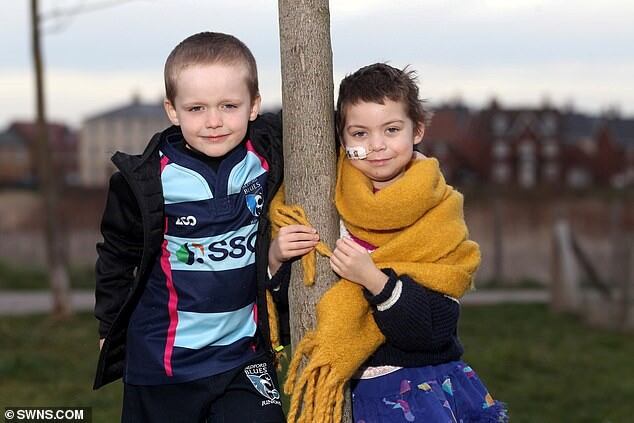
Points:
[182,269]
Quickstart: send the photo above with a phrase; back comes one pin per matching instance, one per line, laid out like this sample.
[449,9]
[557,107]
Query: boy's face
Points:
[388,135]
[213,107]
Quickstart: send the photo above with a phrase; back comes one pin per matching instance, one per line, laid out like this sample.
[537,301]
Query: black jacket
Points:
[132,228]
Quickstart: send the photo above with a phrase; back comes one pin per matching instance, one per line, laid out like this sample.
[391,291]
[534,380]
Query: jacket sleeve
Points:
[278,287]
[119,254]
[412,317]
[278,283]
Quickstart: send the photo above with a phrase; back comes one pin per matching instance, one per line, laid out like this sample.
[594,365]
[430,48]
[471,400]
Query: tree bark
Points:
[309,146]
[47,183]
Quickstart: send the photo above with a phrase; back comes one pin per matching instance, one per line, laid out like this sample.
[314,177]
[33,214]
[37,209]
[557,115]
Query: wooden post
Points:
[565,290]
[621,266]
[498,242]
[626,315]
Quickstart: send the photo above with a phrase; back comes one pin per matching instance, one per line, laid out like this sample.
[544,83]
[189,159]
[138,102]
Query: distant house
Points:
[447,139]
[524,145]
[529,148]
[18,154]
[599,150]
[127,128]
[15,160]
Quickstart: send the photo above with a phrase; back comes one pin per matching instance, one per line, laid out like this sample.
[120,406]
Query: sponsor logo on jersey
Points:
[235,247]
[186,221]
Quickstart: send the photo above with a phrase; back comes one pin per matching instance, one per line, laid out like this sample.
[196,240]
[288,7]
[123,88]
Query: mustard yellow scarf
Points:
[417,223]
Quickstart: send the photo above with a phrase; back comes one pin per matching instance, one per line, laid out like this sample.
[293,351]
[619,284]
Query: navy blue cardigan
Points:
[420,328]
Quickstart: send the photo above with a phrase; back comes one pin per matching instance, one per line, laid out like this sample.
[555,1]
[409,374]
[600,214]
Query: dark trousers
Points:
[247,394]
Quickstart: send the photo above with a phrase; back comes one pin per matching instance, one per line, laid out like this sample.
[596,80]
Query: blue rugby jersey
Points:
[197,314]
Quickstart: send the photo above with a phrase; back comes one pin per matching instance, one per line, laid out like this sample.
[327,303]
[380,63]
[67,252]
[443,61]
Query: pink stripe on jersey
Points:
[263,162]
[255,319]
[164,162]
[171,306]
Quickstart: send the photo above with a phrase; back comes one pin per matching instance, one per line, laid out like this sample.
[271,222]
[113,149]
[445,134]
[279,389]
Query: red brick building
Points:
[531,148]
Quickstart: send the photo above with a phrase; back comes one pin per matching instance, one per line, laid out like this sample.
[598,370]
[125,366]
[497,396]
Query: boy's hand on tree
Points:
[353,262]
[101,341]
[292,241]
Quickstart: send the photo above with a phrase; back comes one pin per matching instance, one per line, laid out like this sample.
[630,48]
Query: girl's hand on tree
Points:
[353,262]
[292,241]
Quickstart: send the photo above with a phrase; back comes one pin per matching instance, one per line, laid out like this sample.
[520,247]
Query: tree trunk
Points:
[309,146]
[47,183]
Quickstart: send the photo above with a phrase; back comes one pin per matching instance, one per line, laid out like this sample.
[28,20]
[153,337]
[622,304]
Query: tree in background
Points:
[54,234]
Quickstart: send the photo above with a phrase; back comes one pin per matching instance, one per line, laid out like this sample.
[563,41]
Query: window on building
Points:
[500,124]
[501,173]
[549,124]
[527,150]
[500,149]
[527,177]
[587,145]
[550,149]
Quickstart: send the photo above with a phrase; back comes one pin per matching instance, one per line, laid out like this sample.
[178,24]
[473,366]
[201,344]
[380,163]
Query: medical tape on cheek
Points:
[357,153]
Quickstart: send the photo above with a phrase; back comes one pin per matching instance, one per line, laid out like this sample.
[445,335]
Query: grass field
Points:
[547,368]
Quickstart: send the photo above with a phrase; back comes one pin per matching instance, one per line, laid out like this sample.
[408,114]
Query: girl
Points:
[391,324]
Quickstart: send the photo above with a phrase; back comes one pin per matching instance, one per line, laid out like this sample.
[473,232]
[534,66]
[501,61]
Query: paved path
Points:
[500,296]
[32,302]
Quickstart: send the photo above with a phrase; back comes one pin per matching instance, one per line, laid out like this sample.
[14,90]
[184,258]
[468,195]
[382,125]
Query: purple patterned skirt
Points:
[445,393]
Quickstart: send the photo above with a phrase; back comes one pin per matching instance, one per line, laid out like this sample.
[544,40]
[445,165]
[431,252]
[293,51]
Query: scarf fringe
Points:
[317,395]
[305,347]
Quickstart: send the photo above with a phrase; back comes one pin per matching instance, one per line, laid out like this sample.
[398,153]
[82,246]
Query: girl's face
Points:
[387,134]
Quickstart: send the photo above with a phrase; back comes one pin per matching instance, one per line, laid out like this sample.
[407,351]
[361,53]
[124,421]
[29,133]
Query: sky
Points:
[522,52]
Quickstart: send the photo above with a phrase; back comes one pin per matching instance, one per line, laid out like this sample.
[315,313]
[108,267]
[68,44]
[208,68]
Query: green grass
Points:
[547,368]
[550,368]
[45,362]
[22,278]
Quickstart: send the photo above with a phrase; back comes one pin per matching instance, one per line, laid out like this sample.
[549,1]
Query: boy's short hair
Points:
[207,48]
[373,84]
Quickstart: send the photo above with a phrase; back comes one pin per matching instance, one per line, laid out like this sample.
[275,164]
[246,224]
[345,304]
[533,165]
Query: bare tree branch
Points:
[60,18]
